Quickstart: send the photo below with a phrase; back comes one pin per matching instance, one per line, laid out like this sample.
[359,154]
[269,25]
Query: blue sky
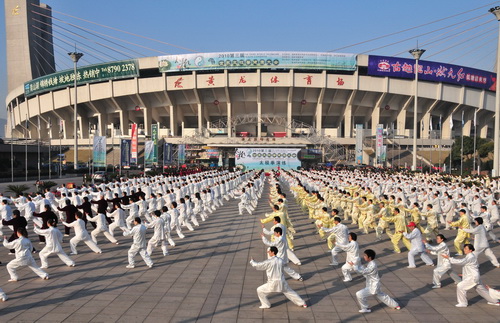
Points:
[285,25]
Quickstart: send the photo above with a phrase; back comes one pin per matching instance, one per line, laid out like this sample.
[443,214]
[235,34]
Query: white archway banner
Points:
[267,158]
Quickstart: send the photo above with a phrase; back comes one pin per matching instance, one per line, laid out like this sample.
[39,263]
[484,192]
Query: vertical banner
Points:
[167,154]
[134,144]
[125,152]
[359,144]
[99,151]
[154,139]
[383,155]
[379,142]
[181,154]
[148,152]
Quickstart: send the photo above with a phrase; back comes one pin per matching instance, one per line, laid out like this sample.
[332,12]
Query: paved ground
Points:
[207,278]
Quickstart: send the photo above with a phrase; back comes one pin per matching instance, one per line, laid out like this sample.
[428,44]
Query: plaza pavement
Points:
[207,278]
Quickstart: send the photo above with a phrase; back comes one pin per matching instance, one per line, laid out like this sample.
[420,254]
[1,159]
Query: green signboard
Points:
[154,138]
[84,74]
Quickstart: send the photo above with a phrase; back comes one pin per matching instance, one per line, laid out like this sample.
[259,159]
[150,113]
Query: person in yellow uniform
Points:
[382,225]
[432,224]
[399,228]
[415,215]
[462,237]
[369,220]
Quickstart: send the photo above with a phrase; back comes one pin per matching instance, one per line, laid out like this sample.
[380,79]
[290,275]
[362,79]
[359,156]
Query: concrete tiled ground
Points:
[207,278]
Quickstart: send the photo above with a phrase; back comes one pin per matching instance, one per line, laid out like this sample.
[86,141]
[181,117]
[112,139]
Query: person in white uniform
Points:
[443,264]
[481,241]
[352,251]
[417,247]
[282,245]
[158,225]
[22,246]
[276,282]
[372,284]
[53,240]
[138,233]
[341,233]
[81,234]
[470,277]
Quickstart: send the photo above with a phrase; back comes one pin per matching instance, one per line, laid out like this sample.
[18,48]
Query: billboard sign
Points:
[431,71]
[267,158]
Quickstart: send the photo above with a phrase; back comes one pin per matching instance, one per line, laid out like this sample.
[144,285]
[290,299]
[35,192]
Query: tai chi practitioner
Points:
[22,246]
[495,294]
[352,251]
[53,240]
[372,284]
[399,227]
[341,233]
[166,220]
[118,216]
[133,213]
[281,244]
[276,282]
[470,277]
[481,243]
[443,264]
[138,233]
[417,247]
[102,226]
[174,220]
[81,234]
[158,237]
[244,202]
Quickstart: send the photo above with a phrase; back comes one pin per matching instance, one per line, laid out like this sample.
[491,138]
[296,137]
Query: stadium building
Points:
[323,102]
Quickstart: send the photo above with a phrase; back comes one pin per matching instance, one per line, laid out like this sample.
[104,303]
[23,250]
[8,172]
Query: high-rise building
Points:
[29,46]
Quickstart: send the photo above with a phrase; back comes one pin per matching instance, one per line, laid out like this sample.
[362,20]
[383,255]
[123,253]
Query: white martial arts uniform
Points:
[372,287]
[276,282]
[443,264]
[470,279]
[282,245]
[23,249]
[53,240]
[102,226]
[481,243]
[138,233]
[118,216]
[158,237]
[417,248]
[341,233]
[352,251]
[81,234]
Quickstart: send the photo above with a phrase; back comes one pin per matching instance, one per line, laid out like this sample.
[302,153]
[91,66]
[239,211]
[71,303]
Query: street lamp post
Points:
[75,57]
[496,147]
[417,53]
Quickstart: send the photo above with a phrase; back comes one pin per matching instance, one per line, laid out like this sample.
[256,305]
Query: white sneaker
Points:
[347,280]
[130,266]
[12,280]
[436,286]
[264,306]
[46,277]
[150,266]
[44,267]
[365,310]
[495,304]
[461,305]
[411,267]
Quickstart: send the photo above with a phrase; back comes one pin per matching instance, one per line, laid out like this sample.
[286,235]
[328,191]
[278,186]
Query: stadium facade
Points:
[264,99]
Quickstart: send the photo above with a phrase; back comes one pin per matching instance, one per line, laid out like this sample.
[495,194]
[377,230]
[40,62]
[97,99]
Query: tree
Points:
[17,189]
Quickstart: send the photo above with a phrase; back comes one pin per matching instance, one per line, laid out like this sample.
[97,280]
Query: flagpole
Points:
[26,149]
[462,148]
[90,151]
[60,147]
[39,170]
[440,138]
[430,133]
[474,150]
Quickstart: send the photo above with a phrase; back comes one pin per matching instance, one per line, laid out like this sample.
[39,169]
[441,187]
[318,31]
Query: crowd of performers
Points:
[163,204]
[417,210]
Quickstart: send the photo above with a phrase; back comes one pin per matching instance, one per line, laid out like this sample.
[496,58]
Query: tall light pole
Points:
[496,147]
[75,57]
[417,53]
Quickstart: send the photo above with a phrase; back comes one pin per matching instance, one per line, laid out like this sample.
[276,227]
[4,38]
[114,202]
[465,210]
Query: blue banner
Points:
[148,152]
[181,154]
[99,151]
[167,154]
[431,71]
[125,152]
